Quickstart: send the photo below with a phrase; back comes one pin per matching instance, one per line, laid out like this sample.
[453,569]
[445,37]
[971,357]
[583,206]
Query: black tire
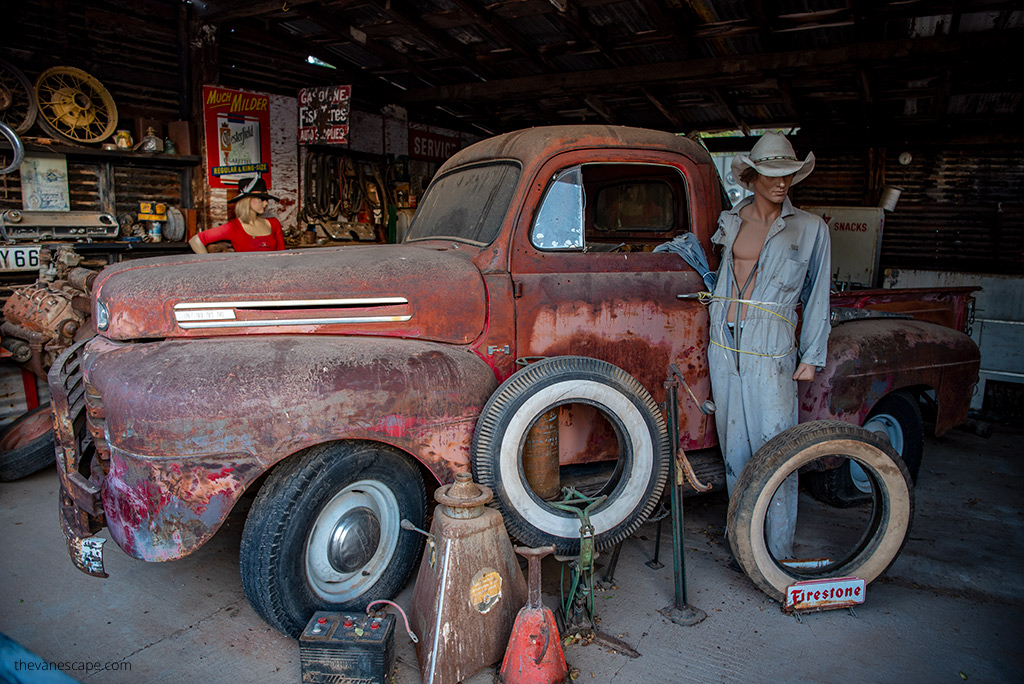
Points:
[888,526]
[896,418]
[21,110]
[641,470]
[288,571]
[26,445]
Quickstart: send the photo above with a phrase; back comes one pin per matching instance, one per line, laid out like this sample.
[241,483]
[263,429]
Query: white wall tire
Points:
[643,439]
[889,522]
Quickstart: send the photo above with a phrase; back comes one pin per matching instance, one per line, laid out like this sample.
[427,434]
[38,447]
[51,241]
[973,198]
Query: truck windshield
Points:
[467,205]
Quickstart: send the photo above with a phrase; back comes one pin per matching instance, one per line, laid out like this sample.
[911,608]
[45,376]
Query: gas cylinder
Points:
[469,586]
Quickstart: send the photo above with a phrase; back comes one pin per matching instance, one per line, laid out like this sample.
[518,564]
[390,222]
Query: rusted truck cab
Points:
[353,374]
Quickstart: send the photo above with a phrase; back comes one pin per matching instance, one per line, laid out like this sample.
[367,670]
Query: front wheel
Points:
[860,543]
[324,532]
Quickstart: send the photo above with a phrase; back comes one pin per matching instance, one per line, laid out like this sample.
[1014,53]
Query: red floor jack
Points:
[534,654]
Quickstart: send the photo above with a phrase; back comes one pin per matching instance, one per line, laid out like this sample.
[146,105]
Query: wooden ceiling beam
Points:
[500,30]
[713,71]
[730,113]
[356,77]
[601,109]
[406,13]
[674,119]
[220,11]
[376,48]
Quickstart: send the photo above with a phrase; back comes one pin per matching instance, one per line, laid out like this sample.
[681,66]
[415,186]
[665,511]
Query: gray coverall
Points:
[756,396]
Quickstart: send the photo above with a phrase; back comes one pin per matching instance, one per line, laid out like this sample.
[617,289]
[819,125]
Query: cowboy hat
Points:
[252,187]
[772,156]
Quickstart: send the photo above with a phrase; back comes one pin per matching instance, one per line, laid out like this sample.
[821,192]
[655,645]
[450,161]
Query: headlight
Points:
[102,316]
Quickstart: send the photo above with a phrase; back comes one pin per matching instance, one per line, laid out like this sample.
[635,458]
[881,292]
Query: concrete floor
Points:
[948,610]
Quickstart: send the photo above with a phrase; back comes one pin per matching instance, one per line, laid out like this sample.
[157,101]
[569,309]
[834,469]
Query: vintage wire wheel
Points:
[17,99]
[74,106]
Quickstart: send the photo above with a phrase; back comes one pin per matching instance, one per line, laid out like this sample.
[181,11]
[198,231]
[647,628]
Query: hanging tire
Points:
[26,445]
[897,419]
[888,525]
[640,472]
[324,532]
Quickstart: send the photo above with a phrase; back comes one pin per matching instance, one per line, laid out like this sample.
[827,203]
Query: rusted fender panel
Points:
[161,510]
[946,306]
[191,423]
[444,294]
[868,359]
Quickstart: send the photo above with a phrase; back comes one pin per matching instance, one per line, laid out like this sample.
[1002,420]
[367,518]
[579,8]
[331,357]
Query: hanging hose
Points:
[16,146]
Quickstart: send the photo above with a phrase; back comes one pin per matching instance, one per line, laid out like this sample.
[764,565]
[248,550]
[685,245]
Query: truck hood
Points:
[390,290]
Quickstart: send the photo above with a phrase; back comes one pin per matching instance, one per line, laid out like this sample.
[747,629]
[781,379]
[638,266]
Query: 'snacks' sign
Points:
[237,125]
[323,115]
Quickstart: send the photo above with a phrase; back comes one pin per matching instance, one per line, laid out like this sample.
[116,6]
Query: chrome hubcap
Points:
[354,540]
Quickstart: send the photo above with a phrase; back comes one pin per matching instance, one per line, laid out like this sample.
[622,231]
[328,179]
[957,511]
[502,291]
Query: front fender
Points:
[868,359]
[191,424]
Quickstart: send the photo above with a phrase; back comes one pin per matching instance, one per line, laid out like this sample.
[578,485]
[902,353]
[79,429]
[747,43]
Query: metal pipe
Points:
[678,561]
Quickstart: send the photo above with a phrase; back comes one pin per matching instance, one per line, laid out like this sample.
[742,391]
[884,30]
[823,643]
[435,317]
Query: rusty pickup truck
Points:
[336,383]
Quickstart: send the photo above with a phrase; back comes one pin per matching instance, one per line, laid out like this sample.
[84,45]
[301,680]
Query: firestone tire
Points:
[26,445]
[897,419]
[639,425]
[324,532]
[891,516]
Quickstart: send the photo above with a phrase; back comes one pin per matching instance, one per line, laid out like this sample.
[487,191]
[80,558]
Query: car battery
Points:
[342,648]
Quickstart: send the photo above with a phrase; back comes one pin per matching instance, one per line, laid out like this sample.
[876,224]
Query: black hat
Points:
[252,187]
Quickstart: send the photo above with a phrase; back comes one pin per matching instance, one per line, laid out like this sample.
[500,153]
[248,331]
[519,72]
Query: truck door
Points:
[587,282]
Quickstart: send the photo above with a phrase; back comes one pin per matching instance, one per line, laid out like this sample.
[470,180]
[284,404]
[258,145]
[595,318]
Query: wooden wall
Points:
[961,208]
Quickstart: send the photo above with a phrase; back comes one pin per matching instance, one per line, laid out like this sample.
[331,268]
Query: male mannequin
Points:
[774,257]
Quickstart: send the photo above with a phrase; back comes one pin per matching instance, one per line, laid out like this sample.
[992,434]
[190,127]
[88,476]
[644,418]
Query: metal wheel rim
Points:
[889,429]
[75,106]
[17,99]
[321,575]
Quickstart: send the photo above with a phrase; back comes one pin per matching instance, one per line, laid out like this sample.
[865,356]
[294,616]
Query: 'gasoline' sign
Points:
[323,115]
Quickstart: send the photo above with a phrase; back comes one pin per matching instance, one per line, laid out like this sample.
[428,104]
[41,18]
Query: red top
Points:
[241,240]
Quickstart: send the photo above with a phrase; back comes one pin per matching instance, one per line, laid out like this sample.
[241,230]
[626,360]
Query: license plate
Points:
[19,258]
[825,594]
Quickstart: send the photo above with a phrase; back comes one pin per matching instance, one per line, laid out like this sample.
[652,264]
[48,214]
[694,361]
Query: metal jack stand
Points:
[577,608]
[680,612]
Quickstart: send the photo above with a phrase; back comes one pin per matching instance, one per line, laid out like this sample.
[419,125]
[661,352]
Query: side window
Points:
[559,222]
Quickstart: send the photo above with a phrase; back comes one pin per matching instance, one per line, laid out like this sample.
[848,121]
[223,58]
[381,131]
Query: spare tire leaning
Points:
[641,469]
[887,527]
[26,445]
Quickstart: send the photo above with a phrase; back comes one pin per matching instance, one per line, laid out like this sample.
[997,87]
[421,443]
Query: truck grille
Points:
[68,398]
[96,420]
